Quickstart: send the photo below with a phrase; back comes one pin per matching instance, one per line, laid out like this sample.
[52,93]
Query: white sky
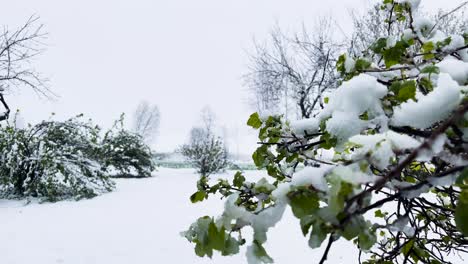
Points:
[105,56]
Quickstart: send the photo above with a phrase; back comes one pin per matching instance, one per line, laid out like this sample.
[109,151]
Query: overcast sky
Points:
[105,56]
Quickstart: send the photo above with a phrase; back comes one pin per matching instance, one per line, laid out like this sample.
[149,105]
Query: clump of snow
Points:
[376,146]
[401,141]
[360,94]
[391,42]
[265,114]
[456,160]
[443,181]
[279,194]
[438,36]
[408,190]
[436,148]
[438,144]
[301,127]
[233,212]
[408,34]
[344,125]
[260,222]
[349,101]
[401,225]
[350,63]
[311,176]
[413,3]
[413,193]
[457,69]
[456,42]
[445,98]
[267,219]
[264,184]
[423,25]
[353,174]
[381,147]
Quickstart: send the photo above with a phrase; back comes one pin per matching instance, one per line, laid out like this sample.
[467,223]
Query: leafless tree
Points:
[368,27]
[18,49]
[454,21]
[146,120]
[208,118]
[291,74]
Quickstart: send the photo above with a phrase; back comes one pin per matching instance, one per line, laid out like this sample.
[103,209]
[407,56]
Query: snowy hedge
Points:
[125,154]
[383,165]
[63,160]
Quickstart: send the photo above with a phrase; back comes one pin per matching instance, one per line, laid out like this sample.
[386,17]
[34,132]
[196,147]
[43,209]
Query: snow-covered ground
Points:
[138,223]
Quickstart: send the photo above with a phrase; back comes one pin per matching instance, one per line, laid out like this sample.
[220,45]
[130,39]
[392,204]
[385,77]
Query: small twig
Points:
[327,250]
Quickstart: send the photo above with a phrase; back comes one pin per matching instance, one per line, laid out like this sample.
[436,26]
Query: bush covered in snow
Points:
[397,184]
[206,152]
[52,160]
[66,160]
[125,154]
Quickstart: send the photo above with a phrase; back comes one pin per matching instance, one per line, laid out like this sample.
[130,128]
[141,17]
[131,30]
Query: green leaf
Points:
[461,213]
[379,214]
[367,239]
[426,84]
[198,234]
[339,192]
[404,90]
[317,236]
[362,65]
[463,178]
[231,247]
[340,64]
[394,55]
[201,251]
[306,223]
[216,237]
[259,156]
[354,228]
[254,121]
[379,46]
[364,116]
[303,202]
[330,141]
[428,47]
[207,237]
[445,42]
[239,180]
[260,252]
[407,247]
[292,158]
[198,197]
[431,69]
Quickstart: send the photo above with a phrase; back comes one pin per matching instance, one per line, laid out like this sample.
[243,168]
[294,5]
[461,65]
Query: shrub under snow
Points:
[126,154]
[66,160]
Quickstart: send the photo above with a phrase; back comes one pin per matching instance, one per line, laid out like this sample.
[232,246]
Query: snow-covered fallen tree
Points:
[52,160]
[125,153]
[66,160]
[397,184]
